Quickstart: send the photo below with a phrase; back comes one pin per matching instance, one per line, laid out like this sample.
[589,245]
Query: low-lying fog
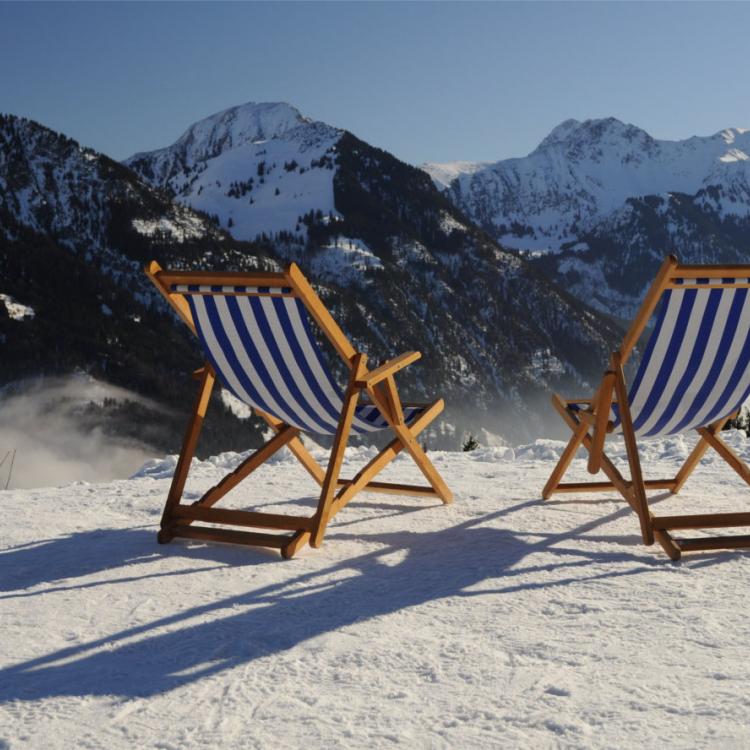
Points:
[48,424]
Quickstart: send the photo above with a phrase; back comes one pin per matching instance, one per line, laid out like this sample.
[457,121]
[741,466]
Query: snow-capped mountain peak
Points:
[244,123]
[583,171]
[258,167]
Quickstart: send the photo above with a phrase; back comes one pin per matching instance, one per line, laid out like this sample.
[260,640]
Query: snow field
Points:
[499,621]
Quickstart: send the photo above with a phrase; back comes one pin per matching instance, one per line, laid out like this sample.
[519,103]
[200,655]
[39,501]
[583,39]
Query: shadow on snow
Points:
[470,559]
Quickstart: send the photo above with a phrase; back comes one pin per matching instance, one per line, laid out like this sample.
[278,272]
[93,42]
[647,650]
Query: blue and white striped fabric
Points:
[696,366]
[264,352]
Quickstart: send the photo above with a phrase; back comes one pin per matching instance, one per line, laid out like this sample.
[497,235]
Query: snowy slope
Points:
[259,167]
[52,185]
[500,621]
[583,171]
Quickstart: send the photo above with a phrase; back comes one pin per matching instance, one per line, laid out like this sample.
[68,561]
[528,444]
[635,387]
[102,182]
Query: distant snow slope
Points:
[54,186]
[258,167]
[499,621]
[583,171]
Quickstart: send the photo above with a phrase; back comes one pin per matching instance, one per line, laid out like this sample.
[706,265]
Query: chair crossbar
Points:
[701,544]
[702,521]
[254,519]
[575,487]
[393,488]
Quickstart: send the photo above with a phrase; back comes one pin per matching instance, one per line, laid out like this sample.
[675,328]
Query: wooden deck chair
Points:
[694,375]
[256,335]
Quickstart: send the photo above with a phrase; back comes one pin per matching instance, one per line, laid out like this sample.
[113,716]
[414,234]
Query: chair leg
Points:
[567,456]
[364,476]
[330,482]
[186,454]
[409,441]
[726,453]
[637,485]
[426,466]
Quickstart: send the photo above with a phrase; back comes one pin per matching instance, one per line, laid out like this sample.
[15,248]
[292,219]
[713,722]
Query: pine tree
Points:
[470,444]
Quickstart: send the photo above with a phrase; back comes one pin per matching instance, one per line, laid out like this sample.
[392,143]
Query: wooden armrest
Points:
[389,368]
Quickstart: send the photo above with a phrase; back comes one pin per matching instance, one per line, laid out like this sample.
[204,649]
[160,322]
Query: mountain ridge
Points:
[400,267]
[584,170]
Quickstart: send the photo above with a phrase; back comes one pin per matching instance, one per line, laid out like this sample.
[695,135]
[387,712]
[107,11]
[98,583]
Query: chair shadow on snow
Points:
[86,553]
[467,560]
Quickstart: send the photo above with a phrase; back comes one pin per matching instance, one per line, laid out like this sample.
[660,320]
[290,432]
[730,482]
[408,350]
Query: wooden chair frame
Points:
[591,425]
[379,384]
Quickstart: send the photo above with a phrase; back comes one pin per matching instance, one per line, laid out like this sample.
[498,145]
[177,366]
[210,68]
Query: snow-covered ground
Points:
[499,621]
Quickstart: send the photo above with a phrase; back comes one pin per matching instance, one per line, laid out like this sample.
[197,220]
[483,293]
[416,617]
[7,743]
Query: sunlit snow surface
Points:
[500,621]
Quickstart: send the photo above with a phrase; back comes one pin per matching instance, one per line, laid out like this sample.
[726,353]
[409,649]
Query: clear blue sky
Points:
[426,81]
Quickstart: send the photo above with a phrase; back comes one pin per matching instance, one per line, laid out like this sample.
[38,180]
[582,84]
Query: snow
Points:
[443,174]
[344,260]
[239,408]
[448,224]
[499,621]
[15,309]
[185,228]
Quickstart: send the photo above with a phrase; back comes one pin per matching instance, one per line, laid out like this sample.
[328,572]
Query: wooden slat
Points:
[189,444]
[668,544]
[714,542]
[223,278]
[631,446]
[328,490]
[702,521]
[391,392]
[710,272]
[249,518]
[601,422]
[210,534]
[708,287]
[392,488]
[651,484]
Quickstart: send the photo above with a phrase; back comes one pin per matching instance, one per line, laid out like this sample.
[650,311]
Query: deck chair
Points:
[257,338]
[694,375]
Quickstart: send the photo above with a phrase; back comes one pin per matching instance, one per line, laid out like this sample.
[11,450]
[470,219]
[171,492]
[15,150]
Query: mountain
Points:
[257,167]
[405,268]
[609,201]
[76,229]
[400,266]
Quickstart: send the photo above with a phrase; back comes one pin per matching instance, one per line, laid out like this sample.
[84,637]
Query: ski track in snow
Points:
[498,621]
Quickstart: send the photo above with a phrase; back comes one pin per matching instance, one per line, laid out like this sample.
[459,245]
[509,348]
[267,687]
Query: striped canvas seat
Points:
[260,343]
[696,366]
